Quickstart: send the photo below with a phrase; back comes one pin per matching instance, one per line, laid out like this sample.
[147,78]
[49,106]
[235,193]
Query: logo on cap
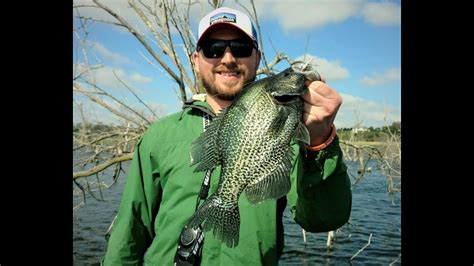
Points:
[222,17]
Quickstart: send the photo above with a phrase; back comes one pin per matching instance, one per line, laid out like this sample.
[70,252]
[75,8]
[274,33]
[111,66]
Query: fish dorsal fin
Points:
[274,185]
[302,134]
[205,150]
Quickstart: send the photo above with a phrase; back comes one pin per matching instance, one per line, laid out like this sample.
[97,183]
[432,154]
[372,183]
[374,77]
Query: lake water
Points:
[374,212]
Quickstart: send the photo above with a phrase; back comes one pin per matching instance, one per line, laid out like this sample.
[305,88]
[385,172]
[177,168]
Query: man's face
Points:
[225,76]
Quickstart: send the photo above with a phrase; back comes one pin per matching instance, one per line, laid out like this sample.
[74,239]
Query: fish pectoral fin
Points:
[302,133]
[272,186]
[205,150]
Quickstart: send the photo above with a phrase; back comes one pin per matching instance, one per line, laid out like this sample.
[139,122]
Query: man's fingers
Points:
[319,93]
[317,112]
[321,88]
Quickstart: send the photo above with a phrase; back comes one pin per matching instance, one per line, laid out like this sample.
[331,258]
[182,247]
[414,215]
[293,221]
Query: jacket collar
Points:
[198,101]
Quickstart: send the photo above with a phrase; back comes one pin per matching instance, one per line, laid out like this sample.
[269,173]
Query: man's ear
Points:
[196,61]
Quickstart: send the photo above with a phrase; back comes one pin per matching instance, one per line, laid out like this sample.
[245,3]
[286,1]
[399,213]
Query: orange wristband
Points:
[326,143]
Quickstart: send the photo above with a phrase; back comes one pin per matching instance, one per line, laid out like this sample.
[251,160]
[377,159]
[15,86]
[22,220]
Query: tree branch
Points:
[141,40]
[360,250]
[136,96]
[102,166]
[103,104]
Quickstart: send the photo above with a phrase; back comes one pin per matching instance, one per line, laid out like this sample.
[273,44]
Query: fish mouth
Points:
[286,98]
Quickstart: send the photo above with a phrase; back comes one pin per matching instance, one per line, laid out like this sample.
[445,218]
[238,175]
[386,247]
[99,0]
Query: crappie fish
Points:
[251,141]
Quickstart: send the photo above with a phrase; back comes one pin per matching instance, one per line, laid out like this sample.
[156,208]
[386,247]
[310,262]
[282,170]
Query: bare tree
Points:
[386,155]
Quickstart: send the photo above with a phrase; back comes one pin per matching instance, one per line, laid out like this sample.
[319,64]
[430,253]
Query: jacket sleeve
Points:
[320,196]
[133,230]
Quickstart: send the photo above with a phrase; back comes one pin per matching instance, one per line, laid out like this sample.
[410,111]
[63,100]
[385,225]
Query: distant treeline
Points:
[370,133]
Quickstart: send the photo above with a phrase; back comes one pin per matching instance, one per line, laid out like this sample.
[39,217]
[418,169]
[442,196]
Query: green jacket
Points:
[161,192]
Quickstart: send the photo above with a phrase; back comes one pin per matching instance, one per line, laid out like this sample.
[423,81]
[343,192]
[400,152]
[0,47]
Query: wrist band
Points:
[326,143]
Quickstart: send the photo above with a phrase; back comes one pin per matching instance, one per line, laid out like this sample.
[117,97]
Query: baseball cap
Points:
[226,16]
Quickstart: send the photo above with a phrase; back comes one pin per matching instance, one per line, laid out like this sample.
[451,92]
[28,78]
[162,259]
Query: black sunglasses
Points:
[215,48]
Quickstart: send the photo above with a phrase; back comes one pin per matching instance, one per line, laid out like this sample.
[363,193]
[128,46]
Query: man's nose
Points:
[228,57]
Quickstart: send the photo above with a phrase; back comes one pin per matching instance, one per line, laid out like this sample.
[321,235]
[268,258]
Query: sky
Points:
[355,45]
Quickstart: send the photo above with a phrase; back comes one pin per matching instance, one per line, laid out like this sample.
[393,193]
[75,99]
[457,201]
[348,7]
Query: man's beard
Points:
[226,95]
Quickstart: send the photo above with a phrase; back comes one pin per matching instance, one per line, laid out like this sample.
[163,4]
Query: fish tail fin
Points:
[223,218]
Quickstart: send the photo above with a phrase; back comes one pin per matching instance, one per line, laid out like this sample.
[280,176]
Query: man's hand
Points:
[321,104]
